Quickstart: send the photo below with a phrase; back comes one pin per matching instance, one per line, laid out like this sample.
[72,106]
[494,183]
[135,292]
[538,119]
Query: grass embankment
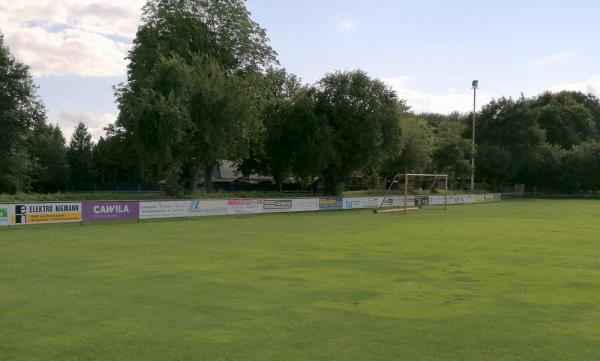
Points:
[517,280]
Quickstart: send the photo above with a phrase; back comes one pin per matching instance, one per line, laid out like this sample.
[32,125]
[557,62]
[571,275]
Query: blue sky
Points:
[429,51]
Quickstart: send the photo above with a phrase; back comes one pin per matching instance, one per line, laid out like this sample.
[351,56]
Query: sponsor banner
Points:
[395,201]
[331,203]
[456,199]
[42,213]
[201,208]
[245,206]
[353,203]
[372,202]
[436,200]
[305,204]
[110,211]
[496,197]
[478,198]
[277,205]
[469,199]
[5,213]
[167,209]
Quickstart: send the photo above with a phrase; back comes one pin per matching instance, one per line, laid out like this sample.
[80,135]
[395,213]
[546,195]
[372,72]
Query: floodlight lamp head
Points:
[475,84]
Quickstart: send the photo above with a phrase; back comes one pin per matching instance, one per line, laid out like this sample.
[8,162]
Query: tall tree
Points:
[20,110]
[417,148]
[566,119]
[452,151]
[115,158]
[47,149]
[191,66]
[363,115]
[509,142]
[80,154]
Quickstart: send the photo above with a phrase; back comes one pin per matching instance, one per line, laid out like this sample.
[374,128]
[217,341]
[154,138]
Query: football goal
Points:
[419,192]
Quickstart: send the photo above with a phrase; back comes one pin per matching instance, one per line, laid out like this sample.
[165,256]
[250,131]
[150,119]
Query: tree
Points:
[187,99]
[417,148]
[80,154]
[20,109]
[115,158]
[48,152]
[294,141]
[566,119]
[452,151]
[509,142]
[362,114]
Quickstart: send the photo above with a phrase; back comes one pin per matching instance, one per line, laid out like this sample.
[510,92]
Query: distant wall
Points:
[106,211]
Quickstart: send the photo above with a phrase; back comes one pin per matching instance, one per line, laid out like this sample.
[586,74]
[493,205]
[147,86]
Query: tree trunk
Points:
[333,186]
[196,178]
[208,181]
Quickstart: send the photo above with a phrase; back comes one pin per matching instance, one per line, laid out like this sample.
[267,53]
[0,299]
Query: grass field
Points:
[518,280]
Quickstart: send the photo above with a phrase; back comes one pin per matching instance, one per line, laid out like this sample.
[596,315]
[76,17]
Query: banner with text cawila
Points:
[245,206]
[106,211]
[166,209]
[42,213]
[5,214]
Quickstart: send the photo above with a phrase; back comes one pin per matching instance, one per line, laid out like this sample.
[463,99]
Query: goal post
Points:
[419,192]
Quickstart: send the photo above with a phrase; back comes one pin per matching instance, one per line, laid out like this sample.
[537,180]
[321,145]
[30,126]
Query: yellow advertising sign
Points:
[46,213]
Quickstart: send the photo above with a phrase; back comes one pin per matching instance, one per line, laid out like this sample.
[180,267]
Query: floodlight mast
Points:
[475,87]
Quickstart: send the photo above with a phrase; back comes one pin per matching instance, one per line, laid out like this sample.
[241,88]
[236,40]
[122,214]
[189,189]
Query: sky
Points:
[429,51]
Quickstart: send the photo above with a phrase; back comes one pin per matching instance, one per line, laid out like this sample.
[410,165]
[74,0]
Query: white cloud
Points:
[71,37]
[346,25]
[591,86]
[67,121]
[563,58]
[445,103]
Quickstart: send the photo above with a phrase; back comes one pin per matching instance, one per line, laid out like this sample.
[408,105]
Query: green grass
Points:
[518,280]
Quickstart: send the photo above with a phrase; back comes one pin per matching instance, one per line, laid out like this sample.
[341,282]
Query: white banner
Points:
[5,214]
[245,206]
[353,203]
[456,199]
[437,200]
[201,208]
[397,201]
[305,204]
[43,213]
[167,209]
[277,205]
[372,202]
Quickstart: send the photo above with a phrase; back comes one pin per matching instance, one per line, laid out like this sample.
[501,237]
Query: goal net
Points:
[412,192]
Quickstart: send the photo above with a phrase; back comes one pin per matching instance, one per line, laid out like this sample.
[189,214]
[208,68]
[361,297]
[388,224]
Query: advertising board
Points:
[201,208]
[166,209]
[305,204]
[42,213]
[456,199]
[245,206]
[331,203]
[110,211]
[353,203]
[372,202]
[5,212]
[277,205]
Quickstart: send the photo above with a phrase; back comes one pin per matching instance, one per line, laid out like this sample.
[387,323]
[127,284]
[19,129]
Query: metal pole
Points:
[475,84]
[405,193]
